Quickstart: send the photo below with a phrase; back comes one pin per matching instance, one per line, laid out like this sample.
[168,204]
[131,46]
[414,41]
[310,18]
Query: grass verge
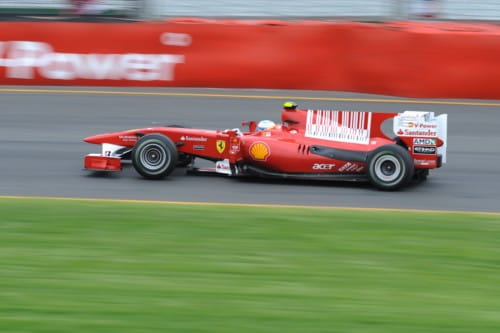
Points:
[89,266]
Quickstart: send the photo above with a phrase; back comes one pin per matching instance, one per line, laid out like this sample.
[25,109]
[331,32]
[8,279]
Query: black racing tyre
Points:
[390,167]
[154,156]
[421,175]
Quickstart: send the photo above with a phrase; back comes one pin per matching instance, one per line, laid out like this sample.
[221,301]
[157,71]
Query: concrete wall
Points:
[488,10]
[273,8]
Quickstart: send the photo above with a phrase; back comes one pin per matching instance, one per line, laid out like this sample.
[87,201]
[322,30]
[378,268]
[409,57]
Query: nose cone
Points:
[91,139]
[98,139]
[125,138]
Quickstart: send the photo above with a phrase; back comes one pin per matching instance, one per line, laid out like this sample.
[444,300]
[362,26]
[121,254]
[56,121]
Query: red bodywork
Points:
[286,149]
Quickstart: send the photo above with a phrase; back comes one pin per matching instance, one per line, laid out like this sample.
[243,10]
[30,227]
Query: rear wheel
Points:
[154,156]
[421,175]
[390,167]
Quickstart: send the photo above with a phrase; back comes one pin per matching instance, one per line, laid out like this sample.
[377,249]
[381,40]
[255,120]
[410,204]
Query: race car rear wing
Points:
[422,126]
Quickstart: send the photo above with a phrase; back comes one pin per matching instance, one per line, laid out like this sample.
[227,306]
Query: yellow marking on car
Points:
[244,96]
[222,204]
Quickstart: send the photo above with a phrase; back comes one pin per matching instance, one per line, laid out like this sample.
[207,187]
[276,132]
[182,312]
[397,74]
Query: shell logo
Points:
[260,151]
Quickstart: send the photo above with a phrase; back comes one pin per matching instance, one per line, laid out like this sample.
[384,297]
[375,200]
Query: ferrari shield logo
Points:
[221,146]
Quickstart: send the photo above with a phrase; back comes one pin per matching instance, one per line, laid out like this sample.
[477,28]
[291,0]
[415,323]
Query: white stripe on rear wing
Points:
[343,126]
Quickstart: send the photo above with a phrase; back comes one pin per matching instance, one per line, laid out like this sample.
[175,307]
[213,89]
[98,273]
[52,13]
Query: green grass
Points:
[81,266]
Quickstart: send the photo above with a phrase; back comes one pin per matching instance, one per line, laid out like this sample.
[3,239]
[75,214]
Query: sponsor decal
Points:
[193,138]
[175,39]
[425,162]
[321,166]
[347,167]
[220,145]
[27,59]
[265,134]
[415,128]
[421,125]
[412,124]
[343,126]
[424,150]
[223,167]
[234,146]
[424,141]
[408,132]
[260,151]
[132,138]
[425,125]
[351,167]
[198,147]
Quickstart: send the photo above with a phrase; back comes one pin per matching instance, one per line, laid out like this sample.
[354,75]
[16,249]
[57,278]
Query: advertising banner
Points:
[405,59]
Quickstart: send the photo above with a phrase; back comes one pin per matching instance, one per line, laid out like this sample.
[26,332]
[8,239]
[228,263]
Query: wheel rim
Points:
[388,168]
[153,157]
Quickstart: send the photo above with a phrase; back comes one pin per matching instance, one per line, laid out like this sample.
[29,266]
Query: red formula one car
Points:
[307,144]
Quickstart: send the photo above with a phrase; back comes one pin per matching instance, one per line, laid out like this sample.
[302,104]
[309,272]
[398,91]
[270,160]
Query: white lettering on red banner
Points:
[175,39]
[25,59]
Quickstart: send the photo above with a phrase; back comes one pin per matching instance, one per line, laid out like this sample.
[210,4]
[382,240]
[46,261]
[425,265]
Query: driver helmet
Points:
[265,125]
[290,105]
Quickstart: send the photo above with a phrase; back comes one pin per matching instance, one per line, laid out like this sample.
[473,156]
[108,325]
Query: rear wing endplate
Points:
[423,124]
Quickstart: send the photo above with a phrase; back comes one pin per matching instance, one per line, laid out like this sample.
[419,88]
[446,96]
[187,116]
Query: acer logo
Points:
[25,59]
[319,166]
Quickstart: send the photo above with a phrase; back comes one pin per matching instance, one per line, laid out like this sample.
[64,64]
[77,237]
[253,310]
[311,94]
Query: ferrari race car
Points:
[307,144]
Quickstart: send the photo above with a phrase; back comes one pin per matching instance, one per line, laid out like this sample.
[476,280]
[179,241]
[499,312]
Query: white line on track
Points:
[197,203]
[244,96]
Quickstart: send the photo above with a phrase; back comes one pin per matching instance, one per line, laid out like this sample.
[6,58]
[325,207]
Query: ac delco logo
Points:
[25,59]
[424,150]
[424,141]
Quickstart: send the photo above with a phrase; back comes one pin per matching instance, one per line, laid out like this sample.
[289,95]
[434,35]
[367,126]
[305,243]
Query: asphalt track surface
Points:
[41,131]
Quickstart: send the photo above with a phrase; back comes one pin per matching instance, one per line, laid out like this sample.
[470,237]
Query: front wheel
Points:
[154,156]
[390,167]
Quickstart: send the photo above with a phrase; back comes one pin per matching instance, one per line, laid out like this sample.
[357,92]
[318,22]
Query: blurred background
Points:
[359,10]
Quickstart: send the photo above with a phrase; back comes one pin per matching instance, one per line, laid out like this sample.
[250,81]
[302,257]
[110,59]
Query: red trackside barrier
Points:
[397,58]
